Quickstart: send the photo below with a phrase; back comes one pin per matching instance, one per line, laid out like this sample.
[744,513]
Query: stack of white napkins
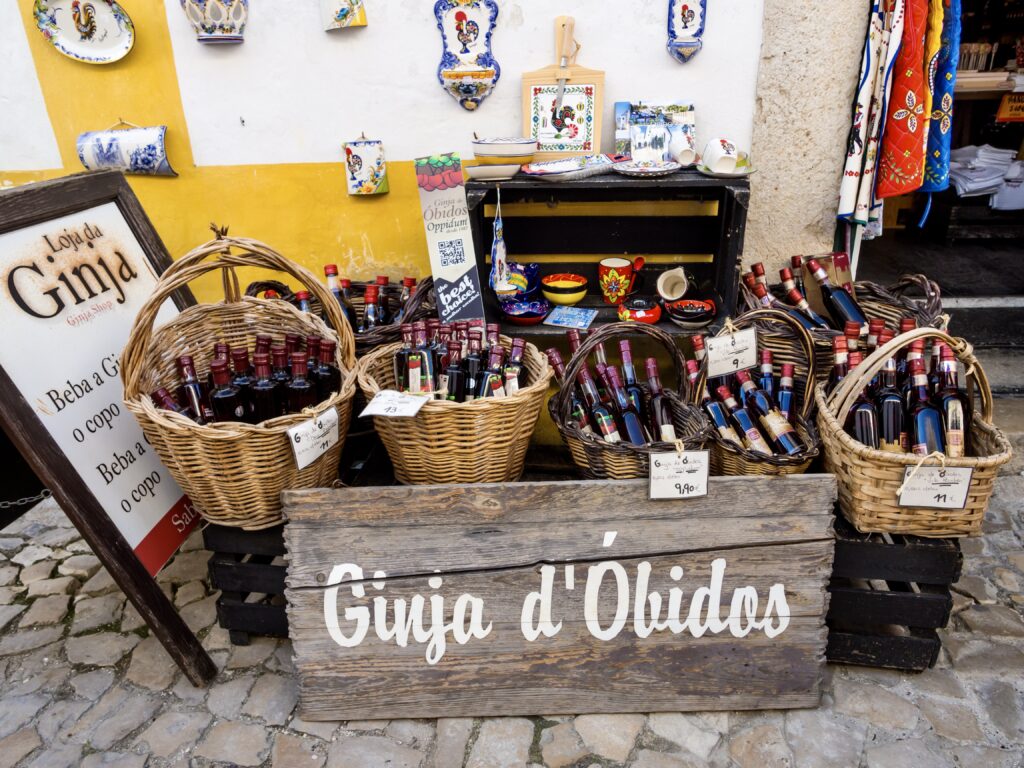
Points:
[1010,196]
[979,170]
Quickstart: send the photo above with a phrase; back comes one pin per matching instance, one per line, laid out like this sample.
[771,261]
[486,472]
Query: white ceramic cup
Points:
[721,156]
[673,284]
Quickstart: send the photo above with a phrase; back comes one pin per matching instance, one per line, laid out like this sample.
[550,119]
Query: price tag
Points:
[312,439]
[679,475]
[728,354]
[388,402]
[936,487]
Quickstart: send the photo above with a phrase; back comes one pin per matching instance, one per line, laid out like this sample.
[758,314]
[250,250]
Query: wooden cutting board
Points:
[574,128]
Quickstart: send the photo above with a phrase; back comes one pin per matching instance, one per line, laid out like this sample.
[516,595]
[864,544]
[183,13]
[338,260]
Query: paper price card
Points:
[936,487]
[679,475]
[731,353]
[388,402]
[312,439]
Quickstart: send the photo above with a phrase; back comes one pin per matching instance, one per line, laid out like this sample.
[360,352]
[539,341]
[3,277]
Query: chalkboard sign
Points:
[78,258]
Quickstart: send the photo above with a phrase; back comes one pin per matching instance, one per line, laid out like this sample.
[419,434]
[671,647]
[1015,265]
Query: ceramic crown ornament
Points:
[217,21]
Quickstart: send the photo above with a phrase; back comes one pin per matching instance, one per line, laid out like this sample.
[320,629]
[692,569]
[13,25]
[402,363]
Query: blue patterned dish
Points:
[525,312]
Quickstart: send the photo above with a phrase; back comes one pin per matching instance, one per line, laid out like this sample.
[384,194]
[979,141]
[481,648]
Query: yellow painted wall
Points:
[302,210]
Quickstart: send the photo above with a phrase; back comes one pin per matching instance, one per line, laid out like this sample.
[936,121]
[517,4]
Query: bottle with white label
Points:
[753,440]
[954,405]
[775,425]
[600,417]
[659,408]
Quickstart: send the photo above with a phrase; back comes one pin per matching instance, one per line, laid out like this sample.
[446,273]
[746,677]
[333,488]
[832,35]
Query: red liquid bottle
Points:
[841,362]
[312,355]
[954,405]
[774,424]
[759,274]
[453,381]
[300,392]
[875,327]
[770,302]
[840,304]
[627,416]
[719,416]
[328,377]
[302,300]
[263,343]
[347,305]
[862,421]
[892,424]
[221,351]
[494,374]
[786,398]
[383,300]
[600,417]
[474,365]
[225,398]
[292,342]
[427,357]
[371,312]
[163,399]
[408,286]
[797,264]
[925,430]
[753,440]
[852,333]
[341,296]
[280,372]
[915,352]
[401,362]
[787,281]
[659,407]
[800,303]
[515,370]
[266,400]
[577,410]
[630,383]
[243,379]
[191,391]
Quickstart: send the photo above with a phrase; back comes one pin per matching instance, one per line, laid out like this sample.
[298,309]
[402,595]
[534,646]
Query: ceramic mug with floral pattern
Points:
[618,277]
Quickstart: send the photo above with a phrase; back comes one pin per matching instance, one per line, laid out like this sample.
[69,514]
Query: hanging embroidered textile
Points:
[936,169]
[932,48]
[901,162]
[880,48]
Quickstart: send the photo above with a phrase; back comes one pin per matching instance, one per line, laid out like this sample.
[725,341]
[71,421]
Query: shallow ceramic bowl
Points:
[504,147]
[524,159]
[564,288]
[640,309]
[525,312]
[691,313]
[489,172]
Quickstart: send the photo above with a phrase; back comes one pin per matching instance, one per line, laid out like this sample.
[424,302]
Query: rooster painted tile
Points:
[565,128]
[468,70]
[366,172]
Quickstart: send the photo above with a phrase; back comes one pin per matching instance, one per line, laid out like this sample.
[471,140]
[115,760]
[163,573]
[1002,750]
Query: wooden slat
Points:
[611,235]
[252,618]
[670,259]
[926,608]
[867,556]
[914,652]
[233,576]
[619,208]
[221,538]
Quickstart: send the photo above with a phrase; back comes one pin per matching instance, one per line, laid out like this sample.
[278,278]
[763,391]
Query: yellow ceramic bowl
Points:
[504,159]
[564,288]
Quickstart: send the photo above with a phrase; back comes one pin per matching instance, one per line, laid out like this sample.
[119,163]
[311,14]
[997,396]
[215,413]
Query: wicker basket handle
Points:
[751,318]
[841,400]
[563,400]
[210,257]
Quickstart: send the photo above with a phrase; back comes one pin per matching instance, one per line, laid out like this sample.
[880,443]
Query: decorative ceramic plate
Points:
[739,173]
[93,31]
[646,170]
[490,172]
[572,167]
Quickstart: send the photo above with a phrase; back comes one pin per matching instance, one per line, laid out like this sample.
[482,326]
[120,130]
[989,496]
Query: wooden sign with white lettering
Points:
[553,597]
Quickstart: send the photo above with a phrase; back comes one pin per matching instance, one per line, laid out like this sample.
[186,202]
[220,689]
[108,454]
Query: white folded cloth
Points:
[1010,195]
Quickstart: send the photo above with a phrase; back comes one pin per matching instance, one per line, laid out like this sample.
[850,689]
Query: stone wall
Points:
[810,62]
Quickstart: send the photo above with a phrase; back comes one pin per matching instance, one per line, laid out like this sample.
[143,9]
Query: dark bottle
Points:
[862,420]
[474,365]
[387,315]
[312,354]
[302,300]
[954,405]
[401,363]
[892,425]
[221,351]
[263,344]
[840,304]
[600,417]
[785,398]
[225,398]
[753,440]
[915,352]
[266,398]
[934,372]
[841,362]
[279,365]
[575,339]
[797,264]
[875,327]
[855,358]
[328,377]
[341,294]
[292,342]
[629,380]
[750,280]
[495,373]
[427,356]
[408,286]
[774,424]
[628,418]
[460,333]
[243,379]
[925,429]
[492,338]
[300,392]
[770,302]
[191,393]
[437,350]
[371,312]
[759,274]
[577,409]
[800,303]
[719,416]
[163,399]
[659,407]
[852,332]
[515,371]
[453,380]
[766,381]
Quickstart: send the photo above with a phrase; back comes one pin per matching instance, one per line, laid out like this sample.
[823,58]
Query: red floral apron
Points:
[901,162]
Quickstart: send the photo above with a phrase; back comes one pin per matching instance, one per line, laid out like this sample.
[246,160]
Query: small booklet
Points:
[571,317]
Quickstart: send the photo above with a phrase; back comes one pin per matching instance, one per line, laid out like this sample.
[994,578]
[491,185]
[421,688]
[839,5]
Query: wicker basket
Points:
[599,459]
[420,306]
[790,342]
[869,479]
[233,472]
[482,441]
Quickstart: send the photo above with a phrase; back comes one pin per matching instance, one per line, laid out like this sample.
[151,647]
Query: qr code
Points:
[452,253]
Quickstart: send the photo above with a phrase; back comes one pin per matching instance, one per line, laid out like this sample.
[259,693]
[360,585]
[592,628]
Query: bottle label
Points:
[776,425]
[920,449]
[442,386]
[668,433]
[756,442]
[415,380]
[511,383]
[954,443]
[607,426]
[728,433]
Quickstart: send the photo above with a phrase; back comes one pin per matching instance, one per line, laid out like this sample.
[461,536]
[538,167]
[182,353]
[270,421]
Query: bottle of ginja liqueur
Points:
[301,393]
[225,399]
[266,399]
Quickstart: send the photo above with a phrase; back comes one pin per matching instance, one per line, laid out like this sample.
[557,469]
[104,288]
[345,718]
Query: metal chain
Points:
[44,494]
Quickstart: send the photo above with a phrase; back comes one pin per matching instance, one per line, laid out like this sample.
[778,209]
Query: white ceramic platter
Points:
[746,171]
[93,31]
[639,170]
[491,172]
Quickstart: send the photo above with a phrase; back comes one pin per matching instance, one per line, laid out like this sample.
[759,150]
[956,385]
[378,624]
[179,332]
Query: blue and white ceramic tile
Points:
[685,28]
[468,70]
[140,151]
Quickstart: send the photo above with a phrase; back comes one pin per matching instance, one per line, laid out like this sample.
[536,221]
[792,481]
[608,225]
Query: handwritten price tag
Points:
[679,475]
[388,402]
[312,439]
[735,352]
[936,487]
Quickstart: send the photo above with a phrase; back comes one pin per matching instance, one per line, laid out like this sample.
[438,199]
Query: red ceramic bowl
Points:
[640,310]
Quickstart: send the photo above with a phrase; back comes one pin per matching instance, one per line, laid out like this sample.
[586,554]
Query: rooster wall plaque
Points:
[468,70]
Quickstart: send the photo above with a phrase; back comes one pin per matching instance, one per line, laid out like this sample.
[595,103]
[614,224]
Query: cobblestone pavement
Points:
[82,684]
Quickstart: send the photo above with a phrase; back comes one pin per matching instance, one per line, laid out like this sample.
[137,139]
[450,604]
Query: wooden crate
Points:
[889,595]
[718,560]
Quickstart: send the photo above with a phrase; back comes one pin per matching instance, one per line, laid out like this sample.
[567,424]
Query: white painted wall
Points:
[292,92]
[27,142]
